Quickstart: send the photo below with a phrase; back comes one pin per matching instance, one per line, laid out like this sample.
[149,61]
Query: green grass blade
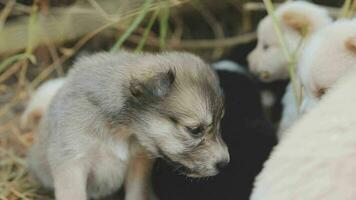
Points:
[133,26]
[147,31]
[6,63]
[164,25]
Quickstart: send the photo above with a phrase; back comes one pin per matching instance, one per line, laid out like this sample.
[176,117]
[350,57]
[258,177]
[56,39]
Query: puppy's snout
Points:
[221,165]
[265,75]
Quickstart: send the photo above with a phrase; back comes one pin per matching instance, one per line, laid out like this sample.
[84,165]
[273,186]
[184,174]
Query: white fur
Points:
[230,66]
[40,100]
[290,112]
[326,59]
[316,159]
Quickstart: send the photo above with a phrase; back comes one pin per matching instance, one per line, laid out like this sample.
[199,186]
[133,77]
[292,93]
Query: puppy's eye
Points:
[265,46]
[173,119]
[196,131]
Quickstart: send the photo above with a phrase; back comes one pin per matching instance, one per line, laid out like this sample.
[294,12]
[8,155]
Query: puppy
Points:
[299,20]
[248,134]
[320,148]
[115,112]
[39,102]
[317,159]
[321,66]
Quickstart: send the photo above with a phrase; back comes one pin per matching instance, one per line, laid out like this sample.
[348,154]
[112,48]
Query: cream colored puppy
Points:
[317,159]
[299,20]
[330,54]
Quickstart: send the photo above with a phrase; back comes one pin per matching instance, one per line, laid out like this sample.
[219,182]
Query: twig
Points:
[17,133]
[10,61]
[6,12]
[353,9]
[99,8]
[19,7]
[346,9]
[17,193]
[55,57]
[8,106]
[178,31]
[22,77]
[9,72]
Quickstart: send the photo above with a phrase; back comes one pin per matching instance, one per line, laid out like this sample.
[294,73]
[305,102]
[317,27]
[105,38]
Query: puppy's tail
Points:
[39,101]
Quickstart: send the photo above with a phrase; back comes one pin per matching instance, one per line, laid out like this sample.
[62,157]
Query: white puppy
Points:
[299,20]
[317,159]
[329,55]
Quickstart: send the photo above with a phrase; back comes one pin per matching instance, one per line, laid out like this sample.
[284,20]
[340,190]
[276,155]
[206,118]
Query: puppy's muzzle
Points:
[221,165]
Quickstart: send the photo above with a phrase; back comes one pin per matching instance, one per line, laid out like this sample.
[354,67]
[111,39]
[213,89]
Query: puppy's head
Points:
[298,20]
[178,107]
[329,55]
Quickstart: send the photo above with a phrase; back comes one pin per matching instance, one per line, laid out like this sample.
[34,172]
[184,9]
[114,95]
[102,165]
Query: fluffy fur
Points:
[40,100]
[290,113]
[299,20]
[316,160]
[246,131]
[330,55]
[116,111]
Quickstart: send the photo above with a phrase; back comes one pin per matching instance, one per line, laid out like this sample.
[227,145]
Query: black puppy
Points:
[249,136]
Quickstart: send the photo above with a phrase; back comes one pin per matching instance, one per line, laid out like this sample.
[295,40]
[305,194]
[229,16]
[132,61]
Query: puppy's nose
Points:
[265,75]
[221,165]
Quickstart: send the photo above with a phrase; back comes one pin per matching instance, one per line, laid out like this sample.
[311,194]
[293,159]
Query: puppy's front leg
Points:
[137,184]
[70,181]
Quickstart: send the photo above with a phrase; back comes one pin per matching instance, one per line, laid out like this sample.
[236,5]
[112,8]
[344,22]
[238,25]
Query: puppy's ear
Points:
[351,44]
[297,21]
[157,86]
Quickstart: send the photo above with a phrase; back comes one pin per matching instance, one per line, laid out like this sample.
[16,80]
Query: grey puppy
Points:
[116,112]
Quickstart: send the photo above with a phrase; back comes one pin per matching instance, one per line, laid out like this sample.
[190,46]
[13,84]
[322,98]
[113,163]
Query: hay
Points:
[15,181]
